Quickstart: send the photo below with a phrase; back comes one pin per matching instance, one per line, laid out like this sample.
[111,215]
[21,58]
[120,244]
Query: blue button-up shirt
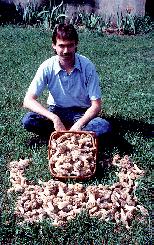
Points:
[66,90]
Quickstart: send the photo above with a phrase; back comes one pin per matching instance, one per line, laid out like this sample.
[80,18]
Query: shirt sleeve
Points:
[39,82]
[93,81]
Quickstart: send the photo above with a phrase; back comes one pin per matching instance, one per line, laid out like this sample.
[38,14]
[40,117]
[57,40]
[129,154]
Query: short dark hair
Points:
[64,32]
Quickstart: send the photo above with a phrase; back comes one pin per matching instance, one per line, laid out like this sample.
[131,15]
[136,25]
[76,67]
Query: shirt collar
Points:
[58,68]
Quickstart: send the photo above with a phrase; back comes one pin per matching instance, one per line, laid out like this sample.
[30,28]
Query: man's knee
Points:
[106,126]
[26,120]
[99,126]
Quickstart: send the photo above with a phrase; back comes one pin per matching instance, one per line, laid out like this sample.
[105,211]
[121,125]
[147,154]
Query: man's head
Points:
[64,32]
[64,42]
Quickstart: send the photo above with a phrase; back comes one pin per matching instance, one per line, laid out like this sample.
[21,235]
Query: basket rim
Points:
[74,132]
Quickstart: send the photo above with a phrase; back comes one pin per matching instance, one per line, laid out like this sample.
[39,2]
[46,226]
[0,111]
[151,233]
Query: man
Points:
[74,100]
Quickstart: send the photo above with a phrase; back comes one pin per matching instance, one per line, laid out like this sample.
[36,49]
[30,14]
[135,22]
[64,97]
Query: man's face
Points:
[65,49]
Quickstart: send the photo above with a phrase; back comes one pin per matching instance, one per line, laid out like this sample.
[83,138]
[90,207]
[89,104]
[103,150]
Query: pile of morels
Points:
[61,202]
[73,155]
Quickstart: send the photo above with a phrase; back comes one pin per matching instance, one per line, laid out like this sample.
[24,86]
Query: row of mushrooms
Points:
[61,202]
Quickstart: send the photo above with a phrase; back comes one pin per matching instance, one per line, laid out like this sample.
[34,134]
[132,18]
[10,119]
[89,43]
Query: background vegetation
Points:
[124,66]
[53,12]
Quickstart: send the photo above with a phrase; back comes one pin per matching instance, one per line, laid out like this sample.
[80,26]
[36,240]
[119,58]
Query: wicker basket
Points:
[92,150]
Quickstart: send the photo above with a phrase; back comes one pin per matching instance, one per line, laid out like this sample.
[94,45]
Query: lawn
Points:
[124,66]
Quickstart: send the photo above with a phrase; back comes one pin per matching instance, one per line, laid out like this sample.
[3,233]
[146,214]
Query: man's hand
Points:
[58,125]
[76,127]
[89,114]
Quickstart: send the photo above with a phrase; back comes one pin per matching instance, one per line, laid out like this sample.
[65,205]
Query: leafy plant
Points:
[128,24]
[119,20]
[132,24]
[93,21]
[29,12]
[142,24]
[51,16]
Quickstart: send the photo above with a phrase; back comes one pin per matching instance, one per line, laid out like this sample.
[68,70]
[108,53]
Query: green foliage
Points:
[90,20]
[124,66]
[128,25]
[29,12]
[132,24]
[50,17]
[143,25]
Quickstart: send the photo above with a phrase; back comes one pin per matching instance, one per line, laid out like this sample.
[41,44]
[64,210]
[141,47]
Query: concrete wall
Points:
[109,7]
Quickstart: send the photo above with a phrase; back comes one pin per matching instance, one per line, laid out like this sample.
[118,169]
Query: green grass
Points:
[125,67]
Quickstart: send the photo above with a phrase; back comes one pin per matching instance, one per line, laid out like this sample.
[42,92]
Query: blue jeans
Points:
[34,122]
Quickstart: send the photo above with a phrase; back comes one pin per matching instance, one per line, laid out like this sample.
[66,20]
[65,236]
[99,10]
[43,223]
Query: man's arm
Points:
[30,102]
[91,112]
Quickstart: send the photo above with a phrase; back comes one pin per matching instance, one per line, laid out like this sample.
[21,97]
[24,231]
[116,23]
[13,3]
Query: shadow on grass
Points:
[116,139]
[115,142]
[124,125]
